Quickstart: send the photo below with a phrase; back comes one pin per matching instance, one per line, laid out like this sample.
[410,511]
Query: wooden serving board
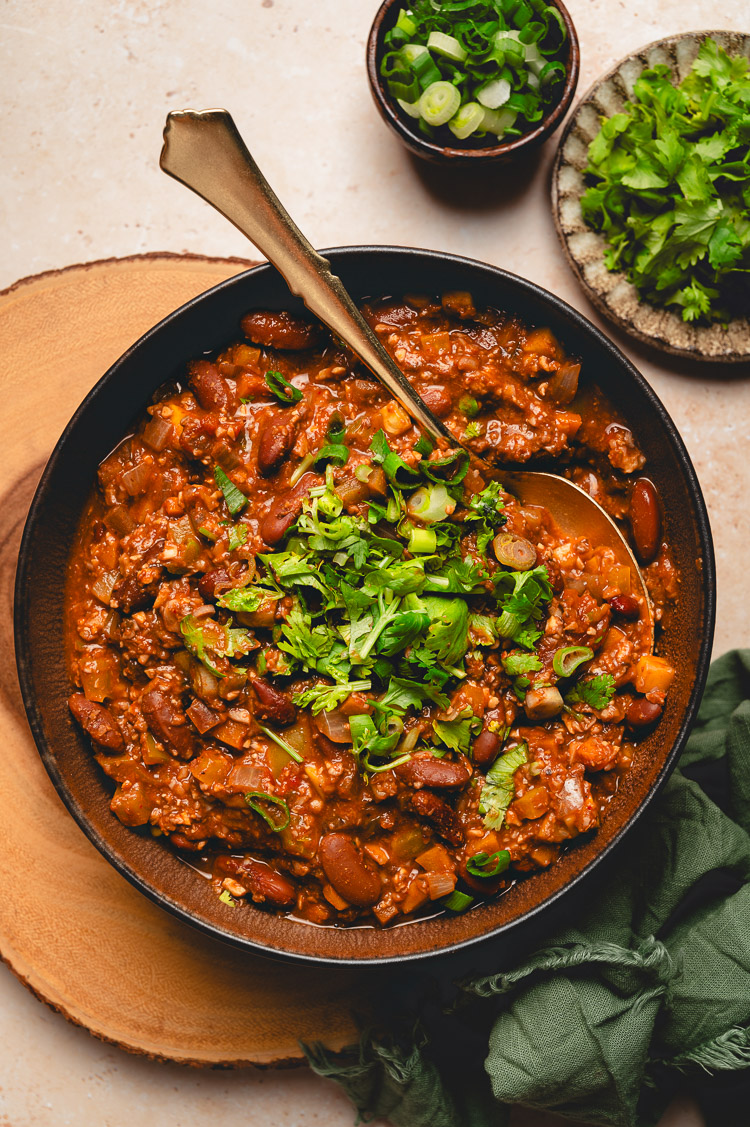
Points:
[71,928]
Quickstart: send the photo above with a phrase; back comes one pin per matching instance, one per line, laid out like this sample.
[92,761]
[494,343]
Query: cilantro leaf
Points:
[458,733]
[498,789]
[597,691]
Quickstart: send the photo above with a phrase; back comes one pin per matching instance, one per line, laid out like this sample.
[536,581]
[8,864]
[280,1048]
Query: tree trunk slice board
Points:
[71,928]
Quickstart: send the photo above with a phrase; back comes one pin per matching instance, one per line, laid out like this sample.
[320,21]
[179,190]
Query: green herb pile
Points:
[670,187]
[390,604]
[476,66]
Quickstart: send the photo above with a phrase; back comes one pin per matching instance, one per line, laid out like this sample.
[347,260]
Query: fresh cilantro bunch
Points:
[669,187]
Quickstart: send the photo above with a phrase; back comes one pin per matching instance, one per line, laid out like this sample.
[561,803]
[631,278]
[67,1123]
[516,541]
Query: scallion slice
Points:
[234,497]
[458,902]
[272,809]
[468,119]
[295,755]
[282,390]
[422,541]
[569,658]
[446,46]
[439,103]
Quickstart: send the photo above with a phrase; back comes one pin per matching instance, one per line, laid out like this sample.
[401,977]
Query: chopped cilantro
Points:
[498,790]
[597,692]
[458,733]
[669,187]
[237,536]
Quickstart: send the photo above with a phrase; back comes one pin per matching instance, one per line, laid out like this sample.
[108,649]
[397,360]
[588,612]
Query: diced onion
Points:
[334,725]
[439,103]
[440,884]
[494,94]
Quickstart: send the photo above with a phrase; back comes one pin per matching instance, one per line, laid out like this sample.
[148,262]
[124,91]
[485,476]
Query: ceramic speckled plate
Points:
[611,293]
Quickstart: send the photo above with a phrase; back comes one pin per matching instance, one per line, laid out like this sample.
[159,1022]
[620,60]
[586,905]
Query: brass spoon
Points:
[205,152]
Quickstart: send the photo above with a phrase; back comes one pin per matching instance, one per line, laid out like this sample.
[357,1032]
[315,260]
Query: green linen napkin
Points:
[649,990]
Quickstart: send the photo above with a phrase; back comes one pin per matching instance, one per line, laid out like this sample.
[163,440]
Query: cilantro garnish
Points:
[597,691]
[670,187]
[498,790]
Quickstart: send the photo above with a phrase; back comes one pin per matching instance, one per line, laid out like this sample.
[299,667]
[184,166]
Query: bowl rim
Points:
[22,602]
[424,147]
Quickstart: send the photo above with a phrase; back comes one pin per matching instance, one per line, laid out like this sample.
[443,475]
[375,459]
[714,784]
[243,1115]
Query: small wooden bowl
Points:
[469,155]
[610,291]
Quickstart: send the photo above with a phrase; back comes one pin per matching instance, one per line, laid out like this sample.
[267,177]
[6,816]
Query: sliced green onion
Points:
[410,108]
[272,809]
[405,23]
[332,452]
[281,389]
[469,406]
[499,121]
[488,864]
[452,468]
[303,467]
[412,53]
[234,497]
[422,541]
[569,658]
[468,119]
[446,46]
[425,70]
[424,445]
[439,102]
[295,755]
[494,94]
[458,902]
[431,503]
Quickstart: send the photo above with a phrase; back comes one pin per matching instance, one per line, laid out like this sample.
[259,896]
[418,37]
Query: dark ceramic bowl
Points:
[468,155]
[210,322]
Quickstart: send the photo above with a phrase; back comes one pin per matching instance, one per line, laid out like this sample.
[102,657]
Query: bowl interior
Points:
[469,154]
[210,322]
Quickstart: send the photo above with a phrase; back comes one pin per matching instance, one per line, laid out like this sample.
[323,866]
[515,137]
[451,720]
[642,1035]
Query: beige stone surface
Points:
[85,89]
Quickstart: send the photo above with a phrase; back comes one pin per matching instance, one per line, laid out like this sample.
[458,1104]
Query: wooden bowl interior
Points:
[208,323]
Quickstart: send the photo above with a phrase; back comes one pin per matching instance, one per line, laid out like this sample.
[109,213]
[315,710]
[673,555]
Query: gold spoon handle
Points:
[204,151]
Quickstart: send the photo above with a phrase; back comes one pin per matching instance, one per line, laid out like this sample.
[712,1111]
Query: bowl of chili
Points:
[48,638]
[473,86]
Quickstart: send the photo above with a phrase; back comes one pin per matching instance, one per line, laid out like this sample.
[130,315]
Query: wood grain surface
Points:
[73,930]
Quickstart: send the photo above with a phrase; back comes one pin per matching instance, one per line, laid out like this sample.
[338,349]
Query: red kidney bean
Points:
[435,810]
[279,330]
[211,389]
[441,774]
[98,722]
[272,703]
[213,583]
[438,399]
[280,518]
[265,883]
[626,606]
[345,869]
[645,519]
[168,722]
[276,442]
[482,886]
[486,747]
[641,713]
[129,595]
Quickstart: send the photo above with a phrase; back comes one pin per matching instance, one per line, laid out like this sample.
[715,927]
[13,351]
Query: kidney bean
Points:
[279,330]
[438,399]
[437,811]
[98,722]
[482,886]
[641,713]
[626,606]
[486,747]
[441,774]
[129,595]
[215,582]
[645,519]
[273,704]
[211,389]
[168,722]
[265,883]
[276,442]
[280,518]
[346,871]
